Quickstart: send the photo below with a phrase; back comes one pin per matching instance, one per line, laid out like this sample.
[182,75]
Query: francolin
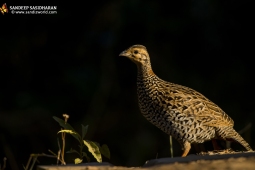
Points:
[177,110]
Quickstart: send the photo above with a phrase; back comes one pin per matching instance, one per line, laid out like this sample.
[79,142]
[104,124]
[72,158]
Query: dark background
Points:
[69,63]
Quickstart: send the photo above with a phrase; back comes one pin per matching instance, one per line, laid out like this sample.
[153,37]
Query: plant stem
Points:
[171,147]
[63,146]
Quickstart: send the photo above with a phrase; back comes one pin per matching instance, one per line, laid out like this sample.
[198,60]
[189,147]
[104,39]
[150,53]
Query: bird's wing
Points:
[194,104]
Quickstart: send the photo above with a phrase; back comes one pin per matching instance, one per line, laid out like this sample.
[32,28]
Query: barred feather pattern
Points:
[182,112]
[177,110]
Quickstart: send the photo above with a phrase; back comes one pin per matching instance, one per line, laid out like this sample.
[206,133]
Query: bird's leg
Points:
[186,148]
[215,145]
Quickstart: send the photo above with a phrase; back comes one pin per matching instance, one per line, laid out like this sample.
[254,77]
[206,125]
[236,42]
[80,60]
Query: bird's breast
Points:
[150,99]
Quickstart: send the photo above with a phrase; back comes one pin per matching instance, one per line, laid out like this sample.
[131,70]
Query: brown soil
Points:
[212,160]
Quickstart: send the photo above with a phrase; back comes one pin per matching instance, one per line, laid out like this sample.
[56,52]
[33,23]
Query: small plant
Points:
[93,147]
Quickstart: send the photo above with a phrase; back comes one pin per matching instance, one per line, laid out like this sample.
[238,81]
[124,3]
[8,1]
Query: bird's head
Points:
[138,54]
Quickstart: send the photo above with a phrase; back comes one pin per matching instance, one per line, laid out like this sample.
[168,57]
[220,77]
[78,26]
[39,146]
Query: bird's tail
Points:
[228,133]
[235,136]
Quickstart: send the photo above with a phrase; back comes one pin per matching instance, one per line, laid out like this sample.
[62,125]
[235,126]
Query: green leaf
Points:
[73,151]
[77,161]
[68,131]
[84,130]
[97,144]
[63,124]
[73,133]
[67,126]
[105,151]
[93,149]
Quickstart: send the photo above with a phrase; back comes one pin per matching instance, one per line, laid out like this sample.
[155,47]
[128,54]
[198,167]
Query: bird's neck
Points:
[144,72]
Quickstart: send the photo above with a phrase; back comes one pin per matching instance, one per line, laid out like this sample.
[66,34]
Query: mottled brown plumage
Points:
[178,110]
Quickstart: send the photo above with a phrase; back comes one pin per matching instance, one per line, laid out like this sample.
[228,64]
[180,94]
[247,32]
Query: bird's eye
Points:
[136,52]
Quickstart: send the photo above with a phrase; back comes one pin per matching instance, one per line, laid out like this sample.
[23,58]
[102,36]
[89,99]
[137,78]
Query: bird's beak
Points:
[125,53]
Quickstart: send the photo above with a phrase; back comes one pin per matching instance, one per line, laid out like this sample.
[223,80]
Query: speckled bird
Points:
[177,110]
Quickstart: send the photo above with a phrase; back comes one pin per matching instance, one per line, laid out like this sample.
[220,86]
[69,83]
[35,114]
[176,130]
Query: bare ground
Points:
[223,160]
